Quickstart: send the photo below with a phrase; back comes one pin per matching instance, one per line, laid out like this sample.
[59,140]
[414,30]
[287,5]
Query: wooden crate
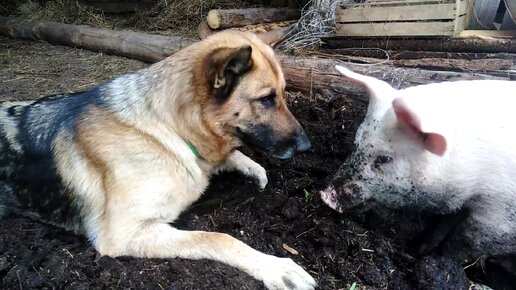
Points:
[403,18]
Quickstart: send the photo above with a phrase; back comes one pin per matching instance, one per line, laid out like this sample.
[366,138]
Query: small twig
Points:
[467,266]
[19,279]
[212,221]
[68,252]
[305,232]
[290,249]
[37,272]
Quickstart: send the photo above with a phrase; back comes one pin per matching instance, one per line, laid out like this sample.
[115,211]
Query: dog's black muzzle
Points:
[263,138]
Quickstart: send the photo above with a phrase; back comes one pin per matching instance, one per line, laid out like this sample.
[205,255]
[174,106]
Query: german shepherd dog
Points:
[119,162]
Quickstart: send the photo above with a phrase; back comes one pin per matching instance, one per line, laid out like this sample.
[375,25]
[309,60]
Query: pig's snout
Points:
[340,198]
[330,197]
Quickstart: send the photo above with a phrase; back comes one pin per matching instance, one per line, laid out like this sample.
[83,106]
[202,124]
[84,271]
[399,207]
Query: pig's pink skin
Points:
[470,164]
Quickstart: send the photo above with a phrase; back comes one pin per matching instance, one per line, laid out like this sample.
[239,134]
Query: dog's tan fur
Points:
[129,167]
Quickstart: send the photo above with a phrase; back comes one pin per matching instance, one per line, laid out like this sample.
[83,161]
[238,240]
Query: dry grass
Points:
[180,15]
[8,7]
[64,11]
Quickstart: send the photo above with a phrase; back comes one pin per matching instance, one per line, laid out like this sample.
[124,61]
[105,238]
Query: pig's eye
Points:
[382,159]
[379,161]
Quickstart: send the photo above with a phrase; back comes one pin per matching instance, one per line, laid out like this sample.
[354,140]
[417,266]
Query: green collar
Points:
[194,150]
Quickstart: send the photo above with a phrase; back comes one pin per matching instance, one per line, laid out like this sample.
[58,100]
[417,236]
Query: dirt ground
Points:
[366,248]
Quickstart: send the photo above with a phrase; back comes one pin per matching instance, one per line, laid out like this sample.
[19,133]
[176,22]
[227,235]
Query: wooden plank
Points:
[397,13]
[407,18]
[464,7]
[395,29]
[460,24]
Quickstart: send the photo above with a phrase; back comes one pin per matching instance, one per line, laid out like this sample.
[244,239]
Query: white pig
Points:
[439,147]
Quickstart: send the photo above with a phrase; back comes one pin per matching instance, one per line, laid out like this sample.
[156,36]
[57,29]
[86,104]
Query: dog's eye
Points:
[268,101]
[382,159]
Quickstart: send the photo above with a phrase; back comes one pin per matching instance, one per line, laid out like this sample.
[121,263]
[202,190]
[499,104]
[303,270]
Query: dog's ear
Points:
[224,67]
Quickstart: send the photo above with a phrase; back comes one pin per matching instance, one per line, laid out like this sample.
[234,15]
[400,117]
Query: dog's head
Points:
[244,91]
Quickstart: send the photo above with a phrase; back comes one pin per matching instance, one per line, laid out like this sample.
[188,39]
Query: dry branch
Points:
[221,19]
[309,75]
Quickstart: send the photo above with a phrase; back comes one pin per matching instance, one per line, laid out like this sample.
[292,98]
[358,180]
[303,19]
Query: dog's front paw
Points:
[257,172]
[237,160]
[285,274]
[261,176]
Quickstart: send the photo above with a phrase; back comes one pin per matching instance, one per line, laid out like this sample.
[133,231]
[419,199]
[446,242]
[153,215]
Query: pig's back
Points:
[482,103]
[469,113]
[472,94]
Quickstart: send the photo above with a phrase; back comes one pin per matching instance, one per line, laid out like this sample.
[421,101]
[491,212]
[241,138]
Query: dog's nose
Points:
[302,141]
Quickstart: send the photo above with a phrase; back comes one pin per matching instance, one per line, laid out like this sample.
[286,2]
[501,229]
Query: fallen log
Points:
[221,19]
[130,44]
[318,76]
[463,44]
[494,64]
[308,75]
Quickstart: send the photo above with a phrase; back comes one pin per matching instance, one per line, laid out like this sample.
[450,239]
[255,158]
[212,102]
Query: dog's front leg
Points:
[238,161]
[160,240]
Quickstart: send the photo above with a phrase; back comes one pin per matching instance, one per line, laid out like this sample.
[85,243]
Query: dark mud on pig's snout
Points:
[342,193]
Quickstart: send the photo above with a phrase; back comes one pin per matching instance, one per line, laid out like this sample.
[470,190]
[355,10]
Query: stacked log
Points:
[259,20]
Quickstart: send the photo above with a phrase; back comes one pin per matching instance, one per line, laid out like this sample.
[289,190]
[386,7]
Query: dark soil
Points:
[339,250]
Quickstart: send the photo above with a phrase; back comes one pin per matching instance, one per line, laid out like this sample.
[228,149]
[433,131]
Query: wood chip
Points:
[290,249]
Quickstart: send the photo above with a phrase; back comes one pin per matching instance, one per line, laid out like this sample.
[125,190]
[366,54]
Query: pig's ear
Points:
[434,142]
[375,87]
